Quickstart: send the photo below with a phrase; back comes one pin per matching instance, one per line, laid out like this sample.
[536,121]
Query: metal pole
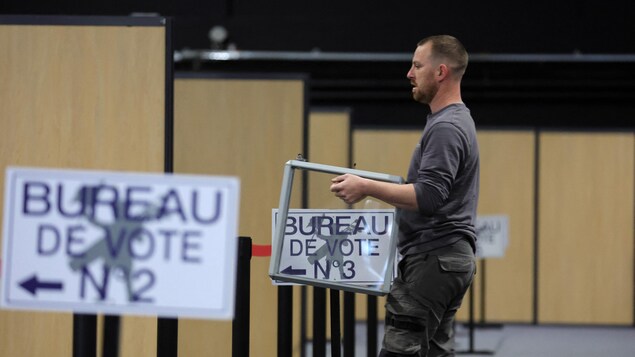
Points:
[319,322]
[336,347]
[167,337]
[84,335]
[285,321]
[371,332]
[349,324]
[303,312]
[471,318]
[483,275]
[111,336]
[471,349]
[240,326]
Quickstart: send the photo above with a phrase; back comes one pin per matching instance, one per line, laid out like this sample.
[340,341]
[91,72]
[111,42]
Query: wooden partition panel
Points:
[84,97]
[586,228]
[247,128]
[507,188]
[329,143]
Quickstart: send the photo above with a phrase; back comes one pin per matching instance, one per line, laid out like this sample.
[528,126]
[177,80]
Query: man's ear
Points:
[442,72]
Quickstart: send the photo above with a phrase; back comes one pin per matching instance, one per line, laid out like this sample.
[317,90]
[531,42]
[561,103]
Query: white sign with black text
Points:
[120,243]
[350,246]
[491,236]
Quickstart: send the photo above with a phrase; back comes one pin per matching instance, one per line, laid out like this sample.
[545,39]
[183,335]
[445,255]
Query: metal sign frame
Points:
[283,211]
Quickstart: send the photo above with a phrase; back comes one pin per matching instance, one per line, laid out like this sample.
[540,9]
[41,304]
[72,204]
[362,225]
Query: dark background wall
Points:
[496,26]
[570,93]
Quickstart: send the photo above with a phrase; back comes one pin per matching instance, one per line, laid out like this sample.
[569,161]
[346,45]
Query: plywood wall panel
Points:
[84,97]
[247,128]
[507,188]
[586,228]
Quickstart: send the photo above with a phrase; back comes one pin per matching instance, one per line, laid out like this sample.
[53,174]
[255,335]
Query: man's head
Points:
[449,51]
[439,63]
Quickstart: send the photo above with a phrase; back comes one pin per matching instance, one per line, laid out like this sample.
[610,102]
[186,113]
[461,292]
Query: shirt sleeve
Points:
[442,151]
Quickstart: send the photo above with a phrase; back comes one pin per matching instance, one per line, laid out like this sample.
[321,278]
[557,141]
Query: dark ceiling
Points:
[577,91]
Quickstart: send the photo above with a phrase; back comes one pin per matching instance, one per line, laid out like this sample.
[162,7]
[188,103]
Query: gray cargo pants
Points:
[423,301]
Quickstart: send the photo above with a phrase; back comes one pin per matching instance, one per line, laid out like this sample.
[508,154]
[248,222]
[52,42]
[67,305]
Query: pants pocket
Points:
[455,264]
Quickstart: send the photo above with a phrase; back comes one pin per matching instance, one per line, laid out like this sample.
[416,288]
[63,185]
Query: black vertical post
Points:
[167,337]
[168,328]
[483,275]
[303,312]
[240,326]
[336,347]
[319,322]
[536,223]
[371,332]
[349,324]
[471,349]
[84,335]
[285,321]
[111,336]
[471,318]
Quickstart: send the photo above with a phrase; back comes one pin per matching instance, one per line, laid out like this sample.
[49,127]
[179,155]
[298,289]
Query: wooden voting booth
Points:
[533,177]
[246,126]
[569,197]
[84,93]
[586,228]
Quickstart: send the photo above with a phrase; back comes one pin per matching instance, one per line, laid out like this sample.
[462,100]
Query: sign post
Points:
[120,243]
[492,240]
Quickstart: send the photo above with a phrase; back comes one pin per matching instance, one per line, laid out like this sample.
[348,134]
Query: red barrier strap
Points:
[261,250]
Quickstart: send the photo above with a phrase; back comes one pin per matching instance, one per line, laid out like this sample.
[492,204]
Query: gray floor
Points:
[551,341]
[531,341]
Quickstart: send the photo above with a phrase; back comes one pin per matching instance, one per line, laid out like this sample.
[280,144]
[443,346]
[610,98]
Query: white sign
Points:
[120,243]
[350,246]
[491,236]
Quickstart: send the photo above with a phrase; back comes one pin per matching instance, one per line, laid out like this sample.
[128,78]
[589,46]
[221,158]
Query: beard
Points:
[424,94]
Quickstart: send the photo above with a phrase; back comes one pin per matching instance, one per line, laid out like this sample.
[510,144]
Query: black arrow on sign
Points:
[290,271]
[32,285]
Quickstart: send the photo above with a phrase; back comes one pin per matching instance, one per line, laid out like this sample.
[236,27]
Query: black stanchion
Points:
[319,322]
[110,346]
[84,335]
[483,276]
[336,346]
[484,323]
[349,324]
[471,349]
[371,331]
[303,312]
[285,321]
[471,320]
[167,337]
[240,325]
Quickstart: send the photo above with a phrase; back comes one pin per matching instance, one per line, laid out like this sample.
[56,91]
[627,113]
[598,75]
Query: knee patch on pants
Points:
[414,326]
[404,335]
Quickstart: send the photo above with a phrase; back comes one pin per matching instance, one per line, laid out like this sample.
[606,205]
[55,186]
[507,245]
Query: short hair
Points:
[448,48]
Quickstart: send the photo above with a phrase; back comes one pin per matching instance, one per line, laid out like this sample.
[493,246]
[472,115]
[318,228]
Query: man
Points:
[437,208]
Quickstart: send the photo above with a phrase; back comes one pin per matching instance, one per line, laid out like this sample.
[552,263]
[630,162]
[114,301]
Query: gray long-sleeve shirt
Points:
[445,172]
